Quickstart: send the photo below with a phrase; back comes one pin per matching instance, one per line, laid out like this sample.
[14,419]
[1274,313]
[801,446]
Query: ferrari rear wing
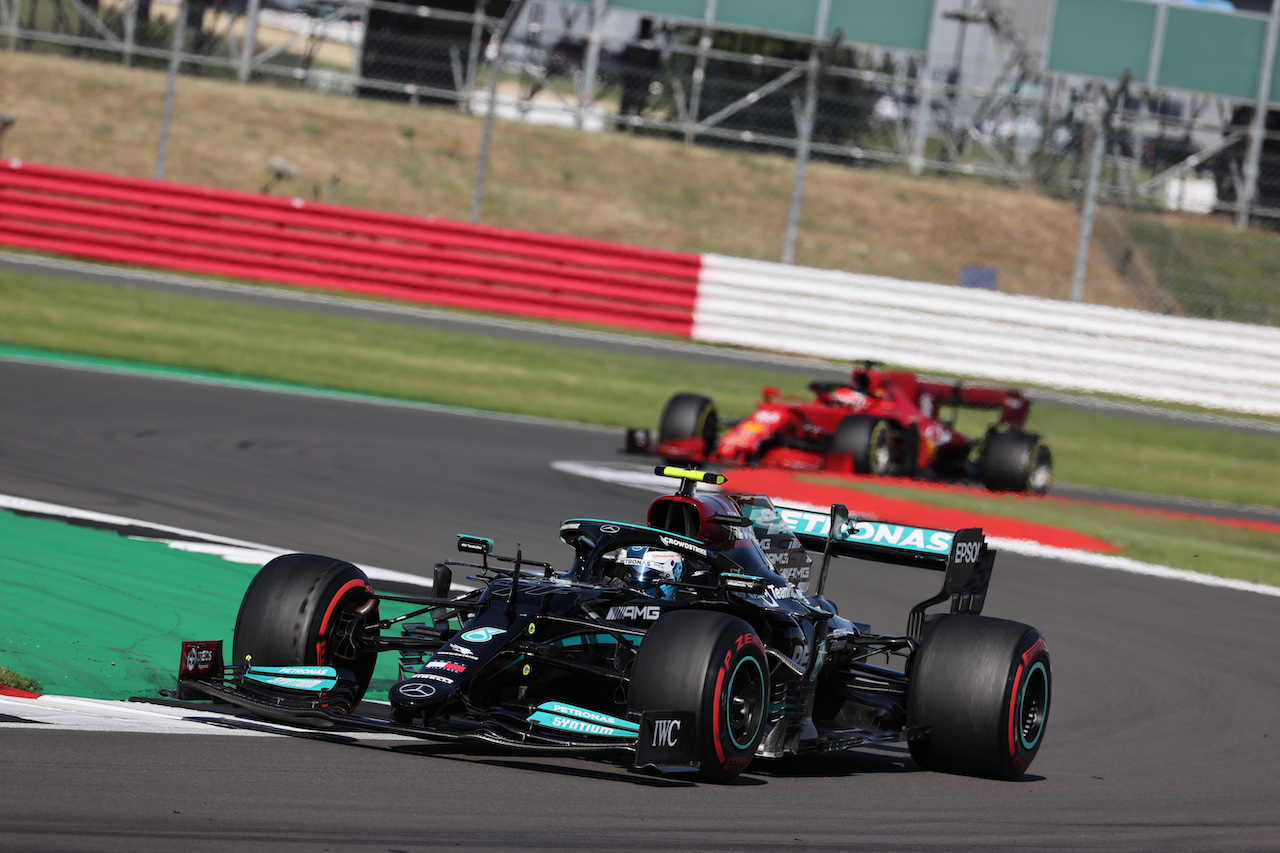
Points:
[963,555]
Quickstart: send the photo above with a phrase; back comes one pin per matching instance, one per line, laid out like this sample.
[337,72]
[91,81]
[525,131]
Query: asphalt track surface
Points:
[1164,732]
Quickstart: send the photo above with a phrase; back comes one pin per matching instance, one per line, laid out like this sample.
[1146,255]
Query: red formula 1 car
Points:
[881,423]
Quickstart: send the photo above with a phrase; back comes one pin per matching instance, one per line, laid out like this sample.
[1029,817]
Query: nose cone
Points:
[420,694]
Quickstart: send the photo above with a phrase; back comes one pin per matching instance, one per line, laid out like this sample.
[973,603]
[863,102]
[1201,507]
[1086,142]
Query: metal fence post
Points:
[699,71]
[924,114]
[817,67]
[357,55]
[15,12]
[1102,122]
[175,60]
[130,32]
[473,49]
[495,71]
[250,41]
[1244,198]
[1090,206]
[587,90]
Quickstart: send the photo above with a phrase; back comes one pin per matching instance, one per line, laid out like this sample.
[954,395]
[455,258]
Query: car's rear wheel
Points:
[690,416]
[869,440]
[301,610]
[981,686]
[712,664]
[1016,461]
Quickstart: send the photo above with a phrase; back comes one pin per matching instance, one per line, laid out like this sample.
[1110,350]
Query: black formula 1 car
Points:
[695,643]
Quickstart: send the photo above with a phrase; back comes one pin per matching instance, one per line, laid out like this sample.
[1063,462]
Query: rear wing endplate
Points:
[963,555]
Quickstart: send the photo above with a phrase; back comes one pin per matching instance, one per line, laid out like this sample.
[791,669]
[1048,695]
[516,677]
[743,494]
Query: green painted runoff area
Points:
[93,614]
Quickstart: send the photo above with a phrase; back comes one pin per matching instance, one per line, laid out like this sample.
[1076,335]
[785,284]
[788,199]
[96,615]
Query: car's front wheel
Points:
[690,416]
[301,610]
[712,664]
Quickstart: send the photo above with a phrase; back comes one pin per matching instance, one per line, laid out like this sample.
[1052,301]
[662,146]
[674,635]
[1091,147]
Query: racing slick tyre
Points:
[712,664]
[869,440]
[299,610]
[690,416]
[1016,462]
[982,688]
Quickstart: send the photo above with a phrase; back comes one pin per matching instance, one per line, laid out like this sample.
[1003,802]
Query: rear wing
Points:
[963,555]
[1013,405]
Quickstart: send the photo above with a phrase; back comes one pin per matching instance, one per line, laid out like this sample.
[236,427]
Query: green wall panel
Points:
[891,23]
[793,16]
[1102,37]
[1210,52]
[896,23]
[664,8]
[1202,51]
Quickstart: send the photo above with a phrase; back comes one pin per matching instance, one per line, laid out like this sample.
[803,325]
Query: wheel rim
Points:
[1033,706]
[1041,473]
[744,703]
[879,456]
[707,427]
[338,646]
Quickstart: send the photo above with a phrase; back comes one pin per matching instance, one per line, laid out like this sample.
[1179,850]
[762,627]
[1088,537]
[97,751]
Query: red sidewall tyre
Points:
[291,611]
[982,687]
[690,416]
[712,664]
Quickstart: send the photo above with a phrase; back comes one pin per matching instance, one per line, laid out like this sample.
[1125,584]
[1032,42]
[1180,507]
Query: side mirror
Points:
[475,545]
[443,577]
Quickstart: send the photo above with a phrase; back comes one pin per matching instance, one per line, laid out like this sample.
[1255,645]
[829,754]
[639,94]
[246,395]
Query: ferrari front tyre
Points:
[981,688]
[869,440]
[1016,462]
[690,416]
[712,664]
[300,610]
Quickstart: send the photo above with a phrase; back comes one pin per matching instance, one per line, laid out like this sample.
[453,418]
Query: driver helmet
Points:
[648,568]
[849,397]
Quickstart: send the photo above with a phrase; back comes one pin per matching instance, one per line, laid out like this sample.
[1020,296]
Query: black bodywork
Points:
[540,659]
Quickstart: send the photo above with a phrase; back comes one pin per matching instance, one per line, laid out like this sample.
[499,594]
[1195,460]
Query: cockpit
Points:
[656,562]
[690,541]
[646,559]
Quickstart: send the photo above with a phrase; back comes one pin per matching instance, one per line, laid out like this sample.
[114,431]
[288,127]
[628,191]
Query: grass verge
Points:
[563,382]
[9,678]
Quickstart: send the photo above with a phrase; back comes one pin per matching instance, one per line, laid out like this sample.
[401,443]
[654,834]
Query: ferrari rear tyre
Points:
[712,664]
[299,610]
[981,686]
[690,416]
[869,440]
[1016,462]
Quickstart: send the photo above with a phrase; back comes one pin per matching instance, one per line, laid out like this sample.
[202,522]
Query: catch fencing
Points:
[983,110]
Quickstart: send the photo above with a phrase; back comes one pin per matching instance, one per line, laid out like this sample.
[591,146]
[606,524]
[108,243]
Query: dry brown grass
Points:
[611,186]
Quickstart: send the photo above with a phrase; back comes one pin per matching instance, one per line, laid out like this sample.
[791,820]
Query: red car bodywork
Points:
[798,434]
